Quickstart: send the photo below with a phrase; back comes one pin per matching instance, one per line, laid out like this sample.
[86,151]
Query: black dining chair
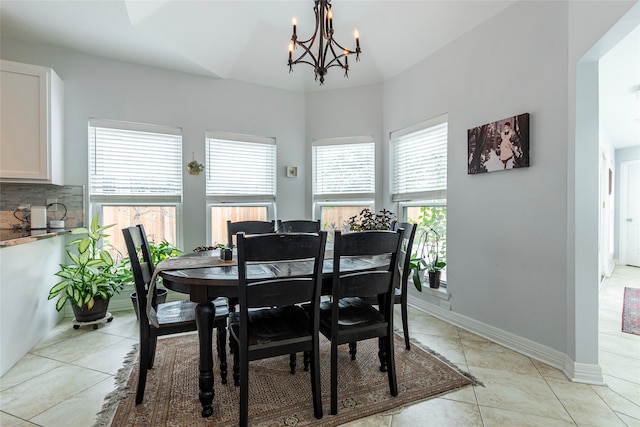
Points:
[248,227]
[298,226]
[348,318]
[173,317]
[270,321]
[400,293]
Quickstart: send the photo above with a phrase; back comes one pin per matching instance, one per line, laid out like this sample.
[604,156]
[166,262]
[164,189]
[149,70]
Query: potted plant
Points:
[430,259]
[89,280]
[367,220]
[194,167]
[159,252]
[418,266]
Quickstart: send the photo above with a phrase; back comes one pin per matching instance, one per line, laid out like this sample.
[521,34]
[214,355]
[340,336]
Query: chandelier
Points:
[329,53]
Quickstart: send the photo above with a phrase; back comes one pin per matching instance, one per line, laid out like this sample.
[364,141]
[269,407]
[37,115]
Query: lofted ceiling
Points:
[248,40]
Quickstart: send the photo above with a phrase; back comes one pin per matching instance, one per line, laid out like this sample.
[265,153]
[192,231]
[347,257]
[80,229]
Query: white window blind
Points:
[130,159]
[344,168]
[420,162]
[240,167]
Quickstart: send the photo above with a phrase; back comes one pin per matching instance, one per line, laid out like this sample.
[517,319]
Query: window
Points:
[419,177]
[343,179]
[241,180]
[135,177]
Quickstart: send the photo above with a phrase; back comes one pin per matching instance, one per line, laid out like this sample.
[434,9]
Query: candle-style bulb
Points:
[295,24]
[357,36]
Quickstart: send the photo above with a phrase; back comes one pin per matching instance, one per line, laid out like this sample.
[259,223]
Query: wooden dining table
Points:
[205,279]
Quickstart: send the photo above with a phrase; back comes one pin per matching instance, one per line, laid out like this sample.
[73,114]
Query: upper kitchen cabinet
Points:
[31,120]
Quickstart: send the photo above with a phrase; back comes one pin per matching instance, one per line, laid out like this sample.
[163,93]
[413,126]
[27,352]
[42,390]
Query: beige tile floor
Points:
[63,380]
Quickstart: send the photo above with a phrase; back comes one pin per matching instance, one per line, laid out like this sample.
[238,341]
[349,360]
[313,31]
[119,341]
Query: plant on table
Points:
[368,220]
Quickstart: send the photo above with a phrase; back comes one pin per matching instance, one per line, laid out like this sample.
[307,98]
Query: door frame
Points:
[624,194]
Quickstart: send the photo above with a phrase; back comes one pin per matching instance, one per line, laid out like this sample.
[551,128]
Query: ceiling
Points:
[248,40]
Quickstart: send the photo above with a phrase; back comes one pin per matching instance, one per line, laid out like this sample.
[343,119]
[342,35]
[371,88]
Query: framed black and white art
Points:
[499,145]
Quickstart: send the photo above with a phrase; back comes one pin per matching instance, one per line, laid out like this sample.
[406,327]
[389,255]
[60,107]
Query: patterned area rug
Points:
[276,398]
[631,311]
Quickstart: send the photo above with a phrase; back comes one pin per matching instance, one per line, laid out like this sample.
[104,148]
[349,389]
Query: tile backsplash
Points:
[14,195]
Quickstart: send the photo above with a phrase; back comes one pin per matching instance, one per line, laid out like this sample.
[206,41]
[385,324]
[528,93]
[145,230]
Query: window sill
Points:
[440,292]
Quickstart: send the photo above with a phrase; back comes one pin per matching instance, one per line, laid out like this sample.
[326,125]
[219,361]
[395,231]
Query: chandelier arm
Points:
[307,51]
[303,62]
[335,62]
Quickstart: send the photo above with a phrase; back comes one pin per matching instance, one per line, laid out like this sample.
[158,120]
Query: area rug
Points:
[631,311]
[276,398]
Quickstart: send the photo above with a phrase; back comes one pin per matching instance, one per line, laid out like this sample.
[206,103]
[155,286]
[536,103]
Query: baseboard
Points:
[576,372]
[585,373]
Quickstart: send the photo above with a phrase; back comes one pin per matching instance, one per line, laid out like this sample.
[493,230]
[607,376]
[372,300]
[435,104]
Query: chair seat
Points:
[273,325]
[352,312]
[176,312]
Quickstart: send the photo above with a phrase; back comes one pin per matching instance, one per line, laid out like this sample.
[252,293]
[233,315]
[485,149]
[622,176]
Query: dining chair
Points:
[248,227]
[298,226]
[348,318]
[400,293]
[271,321]
[173,317]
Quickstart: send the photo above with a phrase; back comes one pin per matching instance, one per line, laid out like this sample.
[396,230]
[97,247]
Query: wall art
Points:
[499,145]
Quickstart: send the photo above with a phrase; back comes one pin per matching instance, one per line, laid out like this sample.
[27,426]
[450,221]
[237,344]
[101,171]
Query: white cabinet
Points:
[31,124]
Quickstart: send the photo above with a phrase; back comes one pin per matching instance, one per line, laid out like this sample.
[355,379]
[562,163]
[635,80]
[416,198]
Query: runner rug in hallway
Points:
[276,398]
[631,311]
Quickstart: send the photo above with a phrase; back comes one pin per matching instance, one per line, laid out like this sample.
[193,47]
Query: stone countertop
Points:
[19,237]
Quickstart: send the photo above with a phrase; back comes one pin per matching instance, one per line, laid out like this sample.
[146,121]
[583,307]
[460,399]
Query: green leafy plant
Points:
[417,265]
[91,272]
[367,220]
[159,252]
[434,254]
[195,167]
[430,257]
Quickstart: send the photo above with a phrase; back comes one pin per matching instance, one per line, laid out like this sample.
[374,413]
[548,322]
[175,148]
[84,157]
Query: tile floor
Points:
[62,381]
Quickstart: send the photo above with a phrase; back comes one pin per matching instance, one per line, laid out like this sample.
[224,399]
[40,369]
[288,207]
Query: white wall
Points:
[594,29]
[346,113]
[506,240]
[101,88]
[521,244]
[26,275]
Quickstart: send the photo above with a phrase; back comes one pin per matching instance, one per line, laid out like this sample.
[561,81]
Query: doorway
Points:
[630,213]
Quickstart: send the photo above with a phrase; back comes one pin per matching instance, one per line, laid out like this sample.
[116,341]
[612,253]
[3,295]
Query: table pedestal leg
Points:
[205,314]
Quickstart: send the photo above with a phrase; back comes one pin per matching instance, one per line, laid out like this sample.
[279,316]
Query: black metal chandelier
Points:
[330,52]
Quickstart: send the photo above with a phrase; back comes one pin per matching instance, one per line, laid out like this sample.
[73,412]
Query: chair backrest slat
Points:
[366,243]
[298,226]
[404,256]
[141,265]
[265,284]
[248,227]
